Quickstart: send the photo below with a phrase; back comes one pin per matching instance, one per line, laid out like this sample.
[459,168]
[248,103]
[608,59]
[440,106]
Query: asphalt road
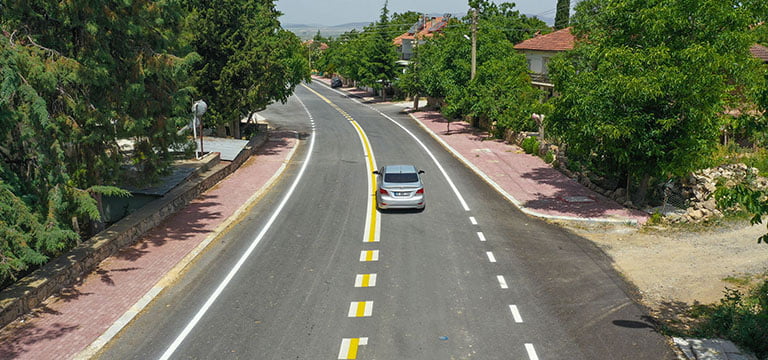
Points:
[483,282]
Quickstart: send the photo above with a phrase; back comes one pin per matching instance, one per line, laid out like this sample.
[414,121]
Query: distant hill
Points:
[308,31]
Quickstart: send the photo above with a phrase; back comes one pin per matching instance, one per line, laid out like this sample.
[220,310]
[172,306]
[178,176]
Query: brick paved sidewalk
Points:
[533,185]
[67,324]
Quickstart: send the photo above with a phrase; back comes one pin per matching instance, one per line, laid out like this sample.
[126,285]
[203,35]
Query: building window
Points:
[545,65]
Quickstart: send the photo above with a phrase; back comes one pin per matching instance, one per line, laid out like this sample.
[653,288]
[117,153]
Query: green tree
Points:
[563,14]
[501,91]
[378,55]
[76,77]
[643,96]
[248,60]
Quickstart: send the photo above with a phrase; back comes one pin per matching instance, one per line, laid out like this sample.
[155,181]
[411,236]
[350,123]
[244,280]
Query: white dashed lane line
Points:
[481,236]
[515,313]
[531,352]
[472,220]
[491,258]
[502,282]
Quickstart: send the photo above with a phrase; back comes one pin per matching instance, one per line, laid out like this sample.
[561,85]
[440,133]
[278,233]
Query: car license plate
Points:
[400,193]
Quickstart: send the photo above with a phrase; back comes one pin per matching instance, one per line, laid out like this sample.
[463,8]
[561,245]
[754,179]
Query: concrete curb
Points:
[511,198]
[95,347]
[67,269]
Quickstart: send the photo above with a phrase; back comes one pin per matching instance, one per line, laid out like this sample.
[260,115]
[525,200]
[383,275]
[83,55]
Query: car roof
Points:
[400,169]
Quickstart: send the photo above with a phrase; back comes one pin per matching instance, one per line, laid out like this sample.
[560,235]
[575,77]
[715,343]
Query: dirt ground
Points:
[675,266]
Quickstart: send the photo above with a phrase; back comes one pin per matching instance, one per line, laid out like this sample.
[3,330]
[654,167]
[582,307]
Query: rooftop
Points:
[423,29]
[560,40]
[760,52]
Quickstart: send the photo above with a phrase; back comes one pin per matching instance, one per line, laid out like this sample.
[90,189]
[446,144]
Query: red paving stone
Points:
[67,324]
[537,186]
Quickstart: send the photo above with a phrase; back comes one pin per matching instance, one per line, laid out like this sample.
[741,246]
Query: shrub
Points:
[530,145]
[741,318]
[549,157]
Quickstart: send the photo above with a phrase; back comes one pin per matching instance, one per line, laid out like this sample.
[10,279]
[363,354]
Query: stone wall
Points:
[700,186]
[68,269]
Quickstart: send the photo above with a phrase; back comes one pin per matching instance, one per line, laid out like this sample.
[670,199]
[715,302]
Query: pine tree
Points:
[563,14]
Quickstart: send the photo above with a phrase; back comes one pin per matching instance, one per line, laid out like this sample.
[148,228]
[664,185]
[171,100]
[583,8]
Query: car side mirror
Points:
[421,171]
[376,172]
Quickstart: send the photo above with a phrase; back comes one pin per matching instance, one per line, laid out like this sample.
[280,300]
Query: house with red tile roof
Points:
[425,28]
[760,52]
[540,49]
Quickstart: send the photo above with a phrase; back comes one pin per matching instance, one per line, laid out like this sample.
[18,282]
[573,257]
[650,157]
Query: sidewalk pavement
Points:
[84,317]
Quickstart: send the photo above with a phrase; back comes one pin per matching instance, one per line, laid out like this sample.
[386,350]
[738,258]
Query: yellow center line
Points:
[366,280]
[371,235]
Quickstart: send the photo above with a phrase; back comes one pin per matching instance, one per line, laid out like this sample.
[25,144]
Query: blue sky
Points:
[336,12]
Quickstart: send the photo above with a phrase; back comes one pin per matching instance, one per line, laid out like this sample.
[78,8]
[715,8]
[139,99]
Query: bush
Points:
[549,157]
[739,318]
[530,145]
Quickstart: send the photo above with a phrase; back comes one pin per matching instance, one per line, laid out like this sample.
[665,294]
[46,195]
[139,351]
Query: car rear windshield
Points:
[401,178]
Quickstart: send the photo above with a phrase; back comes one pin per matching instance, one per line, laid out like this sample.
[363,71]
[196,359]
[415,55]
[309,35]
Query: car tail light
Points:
[420,191]
[382,191]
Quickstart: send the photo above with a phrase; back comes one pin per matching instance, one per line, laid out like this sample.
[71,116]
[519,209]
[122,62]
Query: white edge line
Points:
[509,197]
[140,305]
[199,315]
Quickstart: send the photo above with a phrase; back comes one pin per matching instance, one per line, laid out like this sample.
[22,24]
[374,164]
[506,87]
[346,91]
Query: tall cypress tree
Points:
[563,14]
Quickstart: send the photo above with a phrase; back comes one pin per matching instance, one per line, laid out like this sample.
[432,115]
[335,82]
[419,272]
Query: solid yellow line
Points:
[374,213]
[353,344]
[371,165]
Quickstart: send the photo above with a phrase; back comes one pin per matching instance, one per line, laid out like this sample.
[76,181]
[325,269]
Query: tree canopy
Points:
[248,60]
[78,79]
[643,92]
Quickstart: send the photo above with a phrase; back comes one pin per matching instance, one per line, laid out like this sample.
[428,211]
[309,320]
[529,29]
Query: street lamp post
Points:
[198,109]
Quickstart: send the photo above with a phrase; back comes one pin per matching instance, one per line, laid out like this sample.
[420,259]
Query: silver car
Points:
[400,187]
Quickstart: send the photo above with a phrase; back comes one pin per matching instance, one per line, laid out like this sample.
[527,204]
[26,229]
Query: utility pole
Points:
[474,44]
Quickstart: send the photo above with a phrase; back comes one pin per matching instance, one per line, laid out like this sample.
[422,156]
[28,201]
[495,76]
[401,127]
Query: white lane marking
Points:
[531,352]
[423,146]
[515,313]
[360,309]
[365,280]
[472,220]
[212,298]
[502,281]
[491,258]
[481,236]
[369,255]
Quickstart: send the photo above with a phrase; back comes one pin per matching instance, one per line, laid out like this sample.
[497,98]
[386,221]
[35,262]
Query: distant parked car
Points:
[335,82]
[400,187]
